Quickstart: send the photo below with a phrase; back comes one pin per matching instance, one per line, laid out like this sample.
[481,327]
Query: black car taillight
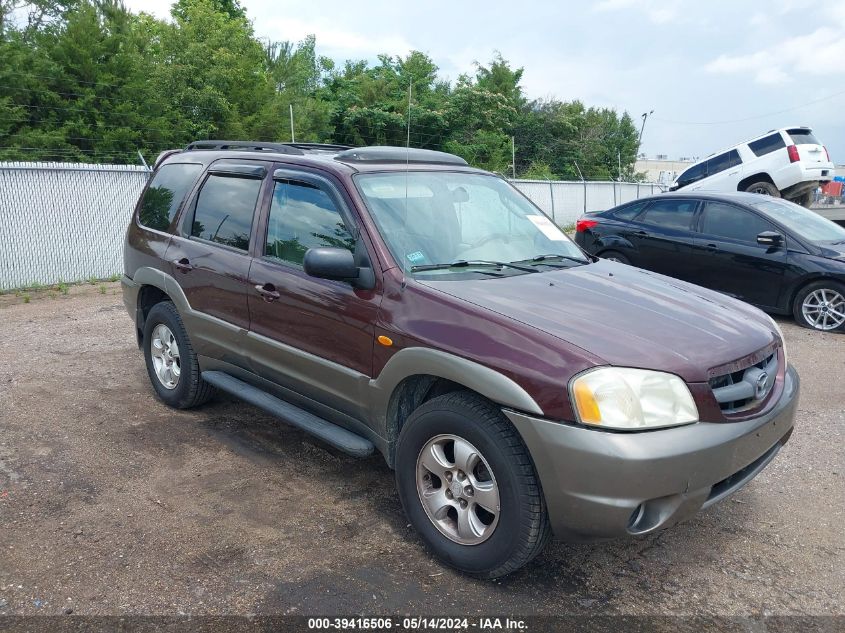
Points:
[584,224]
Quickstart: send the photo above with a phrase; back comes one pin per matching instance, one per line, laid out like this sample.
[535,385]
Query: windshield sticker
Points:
[547,228]
[416,257]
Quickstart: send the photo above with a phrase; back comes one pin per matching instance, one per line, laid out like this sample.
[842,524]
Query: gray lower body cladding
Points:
[605,485]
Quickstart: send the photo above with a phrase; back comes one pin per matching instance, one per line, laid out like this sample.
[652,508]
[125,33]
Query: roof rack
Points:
[386,154]
[328,147]
[248,146]
[260,146]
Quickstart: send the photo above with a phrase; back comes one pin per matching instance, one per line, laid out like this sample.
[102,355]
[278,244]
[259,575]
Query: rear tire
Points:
[171,362]
[805,199]
[615,256]
[821,306]
[763,187]
[445,504]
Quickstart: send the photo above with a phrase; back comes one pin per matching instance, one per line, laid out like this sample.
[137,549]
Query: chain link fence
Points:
[566,201]
[66,221]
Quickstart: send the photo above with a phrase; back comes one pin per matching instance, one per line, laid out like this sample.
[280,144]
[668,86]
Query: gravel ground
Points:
[111,503]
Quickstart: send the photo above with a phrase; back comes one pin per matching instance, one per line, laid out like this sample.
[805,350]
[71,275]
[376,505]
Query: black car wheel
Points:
[821,306]
[763,187]
[615,256]
[468,486]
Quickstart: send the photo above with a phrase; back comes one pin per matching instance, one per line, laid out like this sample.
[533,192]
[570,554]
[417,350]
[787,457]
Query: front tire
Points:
[821,306]
[763,187]
[171,362]
[468,486]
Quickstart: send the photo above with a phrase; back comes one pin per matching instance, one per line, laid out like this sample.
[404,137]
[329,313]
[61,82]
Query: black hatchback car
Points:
[769,252]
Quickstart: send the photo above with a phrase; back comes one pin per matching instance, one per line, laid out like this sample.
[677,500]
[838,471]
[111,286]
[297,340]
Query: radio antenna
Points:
[407,165]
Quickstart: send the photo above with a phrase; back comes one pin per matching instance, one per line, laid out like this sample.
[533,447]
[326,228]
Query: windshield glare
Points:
[803,222]
[442,217]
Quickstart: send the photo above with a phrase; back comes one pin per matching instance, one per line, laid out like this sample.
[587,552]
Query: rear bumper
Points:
[599,484]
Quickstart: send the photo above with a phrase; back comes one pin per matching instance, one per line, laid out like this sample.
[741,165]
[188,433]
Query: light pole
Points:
[645,116]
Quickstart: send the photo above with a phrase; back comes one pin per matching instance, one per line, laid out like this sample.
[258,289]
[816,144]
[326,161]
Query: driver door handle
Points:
[268,292]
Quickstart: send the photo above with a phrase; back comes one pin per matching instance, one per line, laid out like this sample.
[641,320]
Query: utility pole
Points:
[292,137]
[513,156]
[645,116]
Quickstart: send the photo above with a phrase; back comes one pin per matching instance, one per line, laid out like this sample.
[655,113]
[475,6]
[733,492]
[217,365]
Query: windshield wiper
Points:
[462,263]
[545,258]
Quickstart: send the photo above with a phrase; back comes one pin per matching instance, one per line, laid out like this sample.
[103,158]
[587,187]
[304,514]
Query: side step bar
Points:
[340,438]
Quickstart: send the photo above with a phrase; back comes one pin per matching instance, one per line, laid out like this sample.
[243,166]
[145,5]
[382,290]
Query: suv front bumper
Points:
[598,484]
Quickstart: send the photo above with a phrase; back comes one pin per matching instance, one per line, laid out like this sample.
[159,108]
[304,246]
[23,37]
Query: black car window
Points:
[165,193]
[694,173]
[801,136]
[629,211]
[224,210]
[730,222]
[767,144]
[670,214]
[303,216]
[722,162]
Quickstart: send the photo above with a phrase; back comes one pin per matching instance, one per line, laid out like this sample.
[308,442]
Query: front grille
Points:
[747,387]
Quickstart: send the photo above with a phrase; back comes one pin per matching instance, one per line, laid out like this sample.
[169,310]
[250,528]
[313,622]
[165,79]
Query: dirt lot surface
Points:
[111,503]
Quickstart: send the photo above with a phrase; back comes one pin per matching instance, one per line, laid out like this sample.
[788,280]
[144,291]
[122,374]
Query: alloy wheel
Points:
[457,489]
[824,309]
[164,351]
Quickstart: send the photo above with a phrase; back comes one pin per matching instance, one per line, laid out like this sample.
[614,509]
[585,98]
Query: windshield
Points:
[430,218]
[803,222]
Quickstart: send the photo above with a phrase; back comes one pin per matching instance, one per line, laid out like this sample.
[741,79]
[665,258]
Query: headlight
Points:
[780,334]
[630,399]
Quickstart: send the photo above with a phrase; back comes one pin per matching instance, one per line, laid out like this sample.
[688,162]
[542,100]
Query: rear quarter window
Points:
[628,212]
[767,144]
[164,195]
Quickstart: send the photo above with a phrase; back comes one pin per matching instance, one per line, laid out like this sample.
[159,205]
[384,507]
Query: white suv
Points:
[788,163]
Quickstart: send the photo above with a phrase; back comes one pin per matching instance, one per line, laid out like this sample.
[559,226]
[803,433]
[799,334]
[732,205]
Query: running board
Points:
[343,440]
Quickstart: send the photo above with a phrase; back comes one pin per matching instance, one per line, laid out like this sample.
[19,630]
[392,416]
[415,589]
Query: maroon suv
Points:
[398,300]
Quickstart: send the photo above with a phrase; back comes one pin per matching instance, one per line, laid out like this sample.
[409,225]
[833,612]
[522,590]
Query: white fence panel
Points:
[62,221]
[566,201]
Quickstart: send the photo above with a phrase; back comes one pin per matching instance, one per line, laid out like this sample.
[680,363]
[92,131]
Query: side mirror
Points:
[770,238]
[338,264]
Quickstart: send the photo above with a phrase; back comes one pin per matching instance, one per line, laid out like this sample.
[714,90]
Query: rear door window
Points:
[722,162]
[670,214]
[733,223]
[691,175]
[767,144]
[225,209]
[803,137]
[164,195]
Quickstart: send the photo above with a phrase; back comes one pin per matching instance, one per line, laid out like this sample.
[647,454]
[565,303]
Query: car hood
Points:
[626,316]
[831,250]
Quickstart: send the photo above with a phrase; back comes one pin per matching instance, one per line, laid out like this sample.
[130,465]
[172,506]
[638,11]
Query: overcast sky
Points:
[715,72]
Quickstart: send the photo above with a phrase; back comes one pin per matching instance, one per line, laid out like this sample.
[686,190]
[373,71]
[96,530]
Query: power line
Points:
[758,116]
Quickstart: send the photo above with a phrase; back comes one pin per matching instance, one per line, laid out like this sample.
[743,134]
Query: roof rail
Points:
[328,147]
[247,146]
[386,154]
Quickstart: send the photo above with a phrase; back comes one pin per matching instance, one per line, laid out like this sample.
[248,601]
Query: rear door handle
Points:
[183,264]
[641,234]
[268,292]
[712,248]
